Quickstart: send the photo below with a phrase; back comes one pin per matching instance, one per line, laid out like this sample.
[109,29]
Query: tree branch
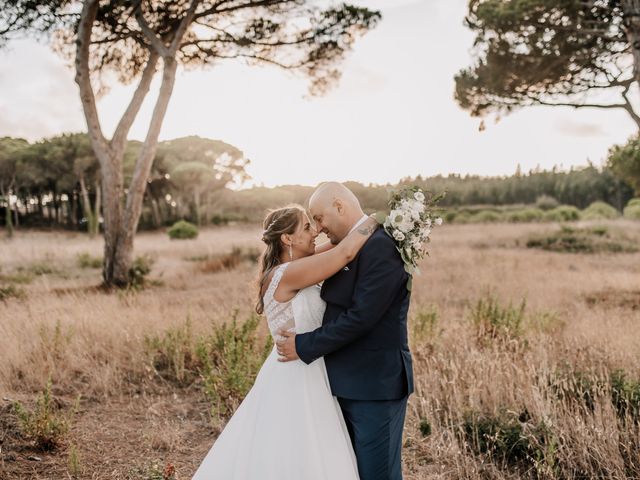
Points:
[629,108]
[83,78]
[579,105]
[251,4]
[156,42]
[182,28]
[118,142]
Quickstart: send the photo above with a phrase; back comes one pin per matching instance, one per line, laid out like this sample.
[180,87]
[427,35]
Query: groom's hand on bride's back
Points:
[287,346]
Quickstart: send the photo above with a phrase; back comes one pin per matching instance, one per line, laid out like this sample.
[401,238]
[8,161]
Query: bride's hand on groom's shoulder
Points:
[286,346]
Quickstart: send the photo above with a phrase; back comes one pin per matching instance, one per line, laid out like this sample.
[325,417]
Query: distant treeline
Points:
[579,187]
[55,183]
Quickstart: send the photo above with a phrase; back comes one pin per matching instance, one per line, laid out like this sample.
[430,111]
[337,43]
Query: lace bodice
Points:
[302,313]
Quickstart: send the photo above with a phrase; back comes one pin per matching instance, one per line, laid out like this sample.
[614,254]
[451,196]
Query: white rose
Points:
[438,221]
[401,220]
[419,196]
[398,235]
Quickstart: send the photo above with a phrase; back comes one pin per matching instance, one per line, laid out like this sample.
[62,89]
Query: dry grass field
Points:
[527,361]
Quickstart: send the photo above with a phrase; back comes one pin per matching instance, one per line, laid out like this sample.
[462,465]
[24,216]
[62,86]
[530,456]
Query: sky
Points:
[392,115]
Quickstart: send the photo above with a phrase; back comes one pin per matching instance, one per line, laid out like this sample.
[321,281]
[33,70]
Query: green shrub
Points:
[492,321]
[546,202]
[182,230]
[525,215]
[600,211]
[625,395]
[425,427]
[634,202]
[585,240]
[45,424]
[230,359]
[172,355]
[85,260]
[576,388]
[485,216]
[226,361]
[139,270]
[463,217]
[563,213]
[450,216]
[632,211]
[39,268]
[510,438]
[11,291]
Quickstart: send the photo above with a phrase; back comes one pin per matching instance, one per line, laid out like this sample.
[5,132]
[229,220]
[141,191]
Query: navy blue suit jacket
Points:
[363,337]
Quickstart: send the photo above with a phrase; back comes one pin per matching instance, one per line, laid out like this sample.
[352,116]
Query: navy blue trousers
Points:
[376,428]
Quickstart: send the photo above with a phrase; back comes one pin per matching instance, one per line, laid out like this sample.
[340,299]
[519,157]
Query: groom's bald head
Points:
[335,210]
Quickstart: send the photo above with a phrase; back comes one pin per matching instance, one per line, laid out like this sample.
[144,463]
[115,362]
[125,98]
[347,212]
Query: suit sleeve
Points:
[381,275]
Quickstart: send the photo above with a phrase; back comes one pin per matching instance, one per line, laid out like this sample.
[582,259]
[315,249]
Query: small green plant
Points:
[511,438]
[39,268]
[625,395]
[492,321]
[45,424]
[425,326]
[85,260]
[172,355]
[21,278]
[11,291]
[156,471]
[230,359]
[183,230]
[74,462]
[139,270]
[576,388]
[425,427]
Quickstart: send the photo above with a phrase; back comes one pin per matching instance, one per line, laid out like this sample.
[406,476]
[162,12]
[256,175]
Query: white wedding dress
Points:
[289,426]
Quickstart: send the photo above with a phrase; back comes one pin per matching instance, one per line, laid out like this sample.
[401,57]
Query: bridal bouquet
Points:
[411,217]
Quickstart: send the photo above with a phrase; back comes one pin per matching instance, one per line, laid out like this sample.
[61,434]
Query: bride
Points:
[289,426]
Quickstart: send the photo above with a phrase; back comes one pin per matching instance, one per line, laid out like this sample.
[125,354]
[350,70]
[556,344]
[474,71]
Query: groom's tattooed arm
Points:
[367,230]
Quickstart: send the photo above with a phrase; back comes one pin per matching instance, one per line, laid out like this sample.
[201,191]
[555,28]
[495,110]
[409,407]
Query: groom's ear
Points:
[339,205]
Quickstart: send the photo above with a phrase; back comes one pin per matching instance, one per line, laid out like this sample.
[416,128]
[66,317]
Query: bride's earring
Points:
[290,252]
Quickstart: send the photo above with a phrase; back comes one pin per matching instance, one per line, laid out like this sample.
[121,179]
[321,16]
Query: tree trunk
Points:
[631,11]
[155,212]
[97,207]
[86,207]
[7,214]
[123,255]
[16,215]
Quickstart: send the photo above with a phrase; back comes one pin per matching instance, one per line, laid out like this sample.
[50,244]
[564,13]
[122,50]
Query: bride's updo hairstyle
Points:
[277,222]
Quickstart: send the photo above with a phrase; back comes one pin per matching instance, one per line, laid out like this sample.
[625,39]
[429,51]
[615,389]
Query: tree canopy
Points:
[579,53]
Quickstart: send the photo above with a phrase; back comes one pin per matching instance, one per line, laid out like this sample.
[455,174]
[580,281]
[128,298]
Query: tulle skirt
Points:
[289,427]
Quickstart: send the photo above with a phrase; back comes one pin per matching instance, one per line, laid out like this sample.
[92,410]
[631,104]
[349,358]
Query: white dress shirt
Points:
[358,223]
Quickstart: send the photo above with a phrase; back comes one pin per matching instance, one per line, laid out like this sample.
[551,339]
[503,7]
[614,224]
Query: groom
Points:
[363,337]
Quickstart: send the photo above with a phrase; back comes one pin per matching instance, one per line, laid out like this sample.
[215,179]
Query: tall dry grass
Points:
[93,343]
